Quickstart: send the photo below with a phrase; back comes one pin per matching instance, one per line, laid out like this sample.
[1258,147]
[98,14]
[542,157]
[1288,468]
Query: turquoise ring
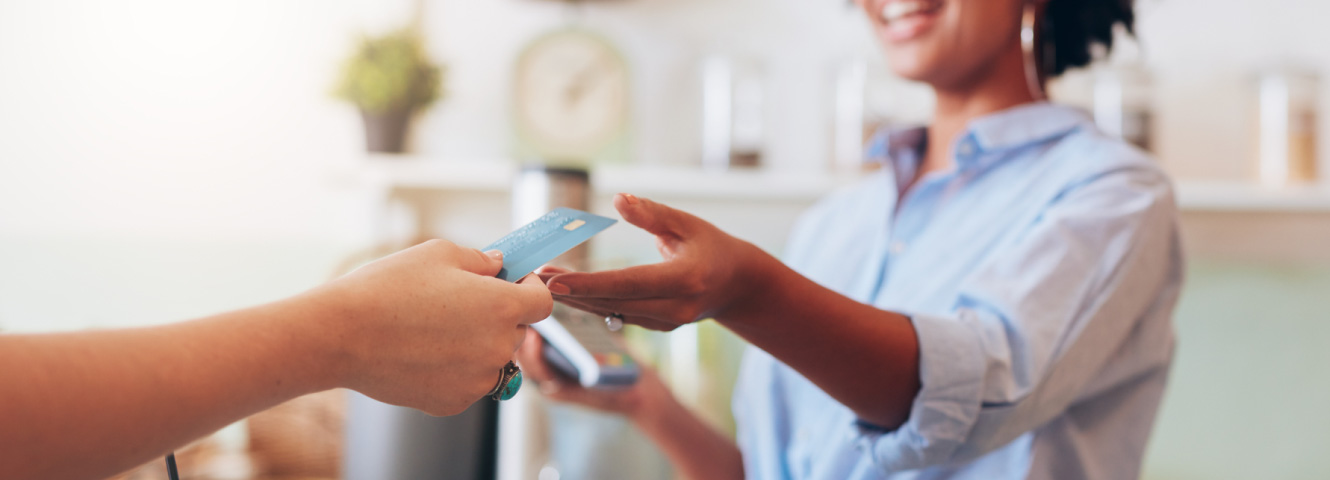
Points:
[510,381]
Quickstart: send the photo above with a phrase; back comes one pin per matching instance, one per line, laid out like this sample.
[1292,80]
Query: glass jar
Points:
[1124,104]
[1286,135]
[867,98]
[733,112]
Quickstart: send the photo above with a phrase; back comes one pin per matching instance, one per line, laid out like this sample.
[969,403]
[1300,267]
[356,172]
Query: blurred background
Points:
[165,160]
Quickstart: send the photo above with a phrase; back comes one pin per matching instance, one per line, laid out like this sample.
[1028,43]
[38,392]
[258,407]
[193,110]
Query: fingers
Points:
[533,299]
[485,264]
[645,281]
[665,310]
[546,272]
[552,270]
[634,319]
[493,263]
[653,217]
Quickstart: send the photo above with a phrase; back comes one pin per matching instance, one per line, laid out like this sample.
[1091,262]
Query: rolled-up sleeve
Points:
[1036,326]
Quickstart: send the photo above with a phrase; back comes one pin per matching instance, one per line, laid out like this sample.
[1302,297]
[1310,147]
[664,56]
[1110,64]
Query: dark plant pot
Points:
[386,132]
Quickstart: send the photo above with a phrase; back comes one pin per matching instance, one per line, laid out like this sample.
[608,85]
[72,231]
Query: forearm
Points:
[864,357]
[115,399]
[693,447]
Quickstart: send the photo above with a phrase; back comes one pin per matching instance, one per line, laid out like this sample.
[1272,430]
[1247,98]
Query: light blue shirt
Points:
[1040,275]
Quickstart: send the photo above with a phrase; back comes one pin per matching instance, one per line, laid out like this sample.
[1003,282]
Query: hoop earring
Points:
[1033,73]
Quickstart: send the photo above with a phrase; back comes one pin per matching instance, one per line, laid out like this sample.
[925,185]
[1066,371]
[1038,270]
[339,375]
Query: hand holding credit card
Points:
[544,239]
[577,346]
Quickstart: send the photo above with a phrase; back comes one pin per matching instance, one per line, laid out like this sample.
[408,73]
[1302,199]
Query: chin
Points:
[912,66]
[908,70]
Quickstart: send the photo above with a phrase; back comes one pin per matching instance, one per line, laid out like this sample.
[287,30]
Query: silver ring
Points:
[614,322]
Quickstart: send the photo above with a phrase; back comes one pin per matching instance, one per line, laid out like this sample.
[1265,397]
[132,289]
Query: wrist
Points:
[320,328]
[753,287]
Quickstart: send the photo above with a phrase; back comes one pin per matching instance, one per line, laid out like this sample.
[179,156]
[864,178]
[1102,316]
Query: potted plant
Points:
[390,78]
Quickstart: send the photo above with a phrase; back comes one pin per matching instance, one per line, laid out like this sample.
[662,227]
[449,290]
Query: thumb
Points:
[656,219]
[485,264]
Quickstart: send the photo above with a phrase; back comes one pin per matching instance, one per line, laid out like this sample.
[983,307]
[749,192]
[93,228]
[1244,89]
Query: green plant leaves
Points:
[392,73]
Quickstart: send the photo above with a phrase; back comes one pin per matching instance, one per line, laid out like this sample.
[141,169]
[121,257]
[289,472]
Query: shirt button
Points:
[897,247]
[966,148]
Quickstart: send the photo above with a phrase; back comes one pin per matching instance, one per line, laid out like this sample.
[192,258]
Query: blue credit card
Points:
[549,236]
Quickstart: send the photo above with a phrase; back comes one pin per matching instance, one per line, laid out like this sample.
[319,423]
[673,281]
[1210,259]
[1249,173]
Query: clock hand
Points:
[583,81]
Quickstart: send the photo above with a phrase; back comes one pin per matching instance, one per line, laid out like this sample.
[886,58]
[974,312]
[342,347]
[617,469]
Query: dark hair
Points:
[1072,27]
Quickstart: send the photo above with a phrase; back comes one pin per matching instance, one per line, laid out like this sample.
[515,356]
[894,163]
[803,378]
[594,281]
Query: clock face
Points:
[572,95]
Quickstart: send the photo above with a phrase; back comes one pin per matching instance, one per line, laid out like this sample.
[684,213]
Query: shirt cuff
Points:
[951,370]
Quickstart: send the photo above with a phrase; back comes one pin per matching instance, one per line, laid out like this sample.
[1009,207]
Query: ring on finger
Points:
[615,322]
[510,381]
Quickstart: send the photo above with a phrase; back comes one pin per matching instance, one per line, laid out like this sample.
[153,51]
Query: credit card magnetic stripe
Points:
[549,236]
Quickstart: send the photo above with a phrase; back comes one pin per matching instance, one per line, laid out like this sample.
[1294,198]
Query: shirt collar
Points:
[1003,130]
[899,150]
[1023,125]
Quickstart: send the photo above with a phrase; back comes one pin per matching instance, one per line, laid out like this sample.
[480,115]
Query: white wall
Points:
[157,119]
[160,159]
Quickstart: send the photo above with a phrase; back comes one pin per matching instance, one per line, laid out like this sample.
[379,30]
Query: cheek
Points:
[957,47]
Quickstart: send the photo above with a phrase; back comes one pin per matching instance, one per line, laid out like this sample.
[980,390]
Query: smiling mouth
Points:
[901,9]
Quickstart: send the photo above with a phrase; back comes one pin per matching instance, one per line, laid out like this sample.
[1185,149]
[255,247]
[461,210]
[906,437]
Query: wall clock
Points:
[571,97]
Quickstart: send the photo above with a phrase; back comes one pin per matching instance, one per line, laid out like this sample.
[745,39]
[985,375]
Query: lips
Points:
[905,20]
[895,10]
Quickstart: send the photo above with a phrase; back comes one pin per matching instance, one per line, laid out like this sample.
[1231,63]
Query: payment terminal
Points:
[579,346]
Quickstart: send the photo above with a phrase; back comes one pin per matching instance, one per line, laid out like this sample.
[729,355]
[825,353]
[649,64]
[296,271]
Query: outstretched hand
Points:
[705,273]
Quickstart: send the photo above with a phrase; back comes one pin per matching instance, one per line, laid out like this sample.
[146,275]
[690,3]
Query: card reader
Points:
[579,346]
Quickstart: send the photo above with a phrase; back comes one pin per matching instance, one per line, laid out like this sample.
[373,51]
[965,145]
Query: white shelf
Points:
[496,175]
[675,183]
[1232,196]
[406,171]
[692,183]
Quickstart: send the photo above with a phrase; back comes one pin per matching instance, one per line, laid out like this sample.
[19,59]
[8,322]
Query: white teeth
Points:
[899,9]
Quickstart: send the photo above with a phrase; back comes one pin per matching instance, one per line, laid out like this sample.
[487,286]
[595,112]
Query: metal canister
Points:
[523,426]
